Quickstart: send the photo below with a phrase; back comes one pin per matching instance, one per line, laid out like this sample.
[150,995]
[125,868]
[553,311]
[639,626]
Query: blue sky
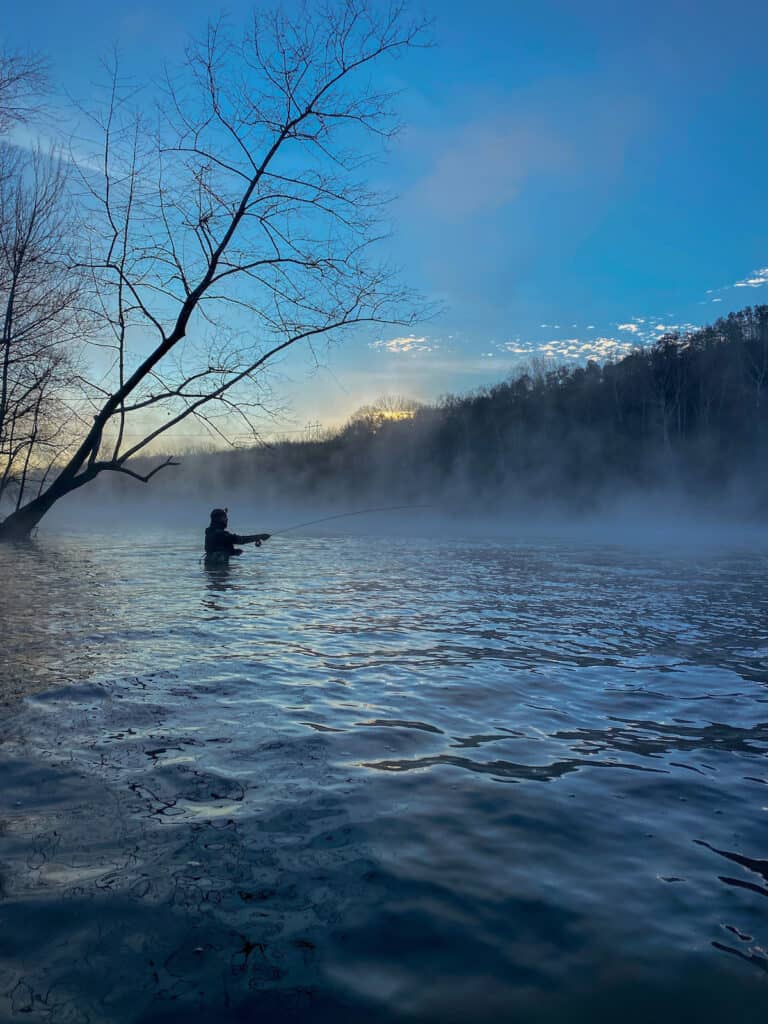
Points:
[572,178]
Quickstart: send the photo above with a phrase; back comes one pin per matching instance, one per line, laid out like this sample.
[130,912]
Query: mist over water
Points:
[401,778]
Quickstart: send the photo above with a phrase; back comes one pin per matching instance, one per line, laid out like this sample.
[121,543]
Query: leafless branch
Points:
[236,227]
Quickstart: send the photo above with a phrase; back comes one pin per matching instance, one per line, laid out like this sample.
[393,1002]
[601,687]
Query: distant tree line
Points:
[688,413]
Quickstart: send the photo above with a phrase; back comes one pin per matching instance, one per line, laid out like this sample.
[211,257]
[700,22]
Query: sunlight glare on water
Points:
[383,778]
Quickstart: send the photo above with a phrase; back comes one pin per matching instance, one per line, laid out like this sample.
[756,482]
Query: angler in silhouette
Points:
[220,543]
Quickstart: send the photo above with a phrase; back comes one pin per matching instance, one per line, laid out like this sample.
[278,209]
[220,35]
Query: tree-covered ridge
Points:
[689,411]
[687,415]
[695,403]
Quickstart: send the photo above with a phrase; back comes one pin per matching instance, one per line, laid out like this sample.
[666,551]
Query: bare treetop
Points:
[235,222]
[23,79]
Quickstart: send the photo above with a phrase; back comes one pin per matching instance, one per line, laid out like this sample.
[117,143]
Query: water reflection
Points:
[49,594]
[364,780]
[218,580]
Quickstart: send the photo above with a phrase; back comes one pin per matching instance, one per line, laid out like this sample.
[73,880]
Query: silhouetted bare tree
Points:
[41,299]
[38,291]
[238,225]
[23,80]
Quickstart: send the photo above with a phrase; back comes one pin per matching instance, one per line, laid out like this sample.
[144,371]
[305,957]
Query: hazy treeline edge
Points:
[688,414]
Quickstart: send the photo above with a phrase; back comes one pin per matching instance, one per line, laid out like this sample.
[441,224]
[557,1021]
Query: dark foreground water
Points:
[384,780]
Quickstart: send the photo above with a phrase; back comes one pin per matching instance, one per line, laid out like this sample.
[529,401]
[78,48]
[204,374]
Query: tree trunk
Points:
[20,524]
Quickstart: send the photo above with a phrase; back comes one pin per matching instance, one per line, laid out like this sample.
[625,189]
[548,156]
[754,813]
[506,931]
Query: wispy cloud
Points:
[758,278]
[24,137]
[518,349]
[577,349]
[570,349]
[646,330]
[410,343]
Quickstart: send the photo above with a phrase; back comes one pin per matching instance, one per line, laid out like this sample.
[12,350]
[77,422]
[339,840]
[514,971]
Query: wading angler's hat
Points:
[218,513]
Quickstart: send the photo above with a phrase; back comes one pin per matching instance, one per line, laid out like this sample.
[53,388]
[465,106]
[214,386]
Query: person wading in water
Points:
[220,543]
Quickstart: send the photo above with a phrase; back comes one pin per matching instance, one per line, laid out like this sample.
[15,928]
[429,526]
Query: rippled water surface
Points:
[385,780]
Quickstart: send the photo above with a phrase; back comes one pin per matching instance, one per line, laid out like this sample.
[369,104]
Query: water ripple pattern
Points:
[392,779]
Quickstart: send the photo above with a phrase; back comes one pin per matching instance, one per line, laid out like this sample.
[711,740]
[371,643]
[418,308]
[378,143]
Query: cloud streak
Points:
[570,349]
[409,343]
[757,280]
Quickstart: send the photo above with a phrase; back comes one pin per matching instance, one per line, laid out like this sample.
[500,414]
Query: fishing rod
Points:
[344,515]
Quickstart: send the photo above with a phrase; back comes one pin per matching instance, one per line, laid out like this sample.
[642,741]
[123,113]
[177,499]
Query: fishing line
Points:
[343,515]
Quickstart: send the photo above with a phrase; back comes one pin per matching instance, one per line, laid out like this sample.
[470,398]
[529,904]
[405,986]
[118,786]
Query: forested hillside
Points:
[689,413]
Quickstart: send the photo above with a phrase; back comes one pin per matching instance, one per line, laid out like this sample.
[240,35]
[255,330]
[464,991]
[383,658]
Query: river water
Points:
[385,780]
